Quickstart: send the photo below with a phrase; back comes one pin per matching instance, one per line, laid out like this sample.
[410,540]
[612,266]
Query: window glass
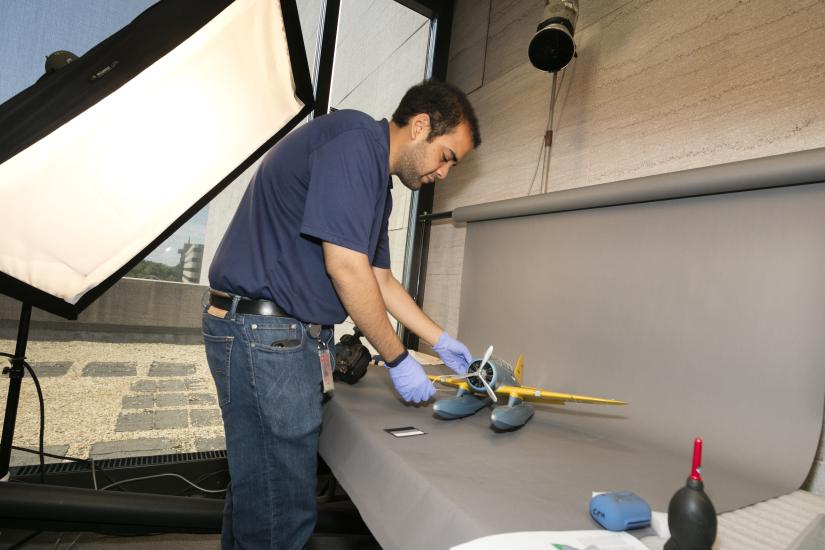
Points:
[381,51]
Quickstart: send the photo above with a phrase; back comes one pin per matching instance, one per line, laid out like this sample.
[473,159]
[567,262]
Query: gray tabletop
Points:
[462,481]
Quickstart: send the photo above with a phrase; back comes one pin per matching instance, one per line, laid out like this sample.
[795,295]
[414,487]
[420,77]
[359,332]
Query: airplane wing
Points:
[529,393]
[447,379]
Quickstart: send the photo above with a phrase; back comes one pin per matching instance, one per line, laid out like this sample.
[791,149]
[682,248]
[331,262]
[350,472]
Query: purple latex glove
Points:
[454,354]
[411,381]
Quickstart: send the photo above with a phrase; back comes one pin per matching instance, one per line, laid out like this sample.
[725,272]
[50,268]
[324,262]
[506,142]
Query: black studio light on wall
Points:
[552,47]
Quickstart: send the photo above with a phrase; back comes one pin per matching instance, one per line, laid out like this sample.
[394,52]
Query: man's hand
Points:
[411,381]
[454,354]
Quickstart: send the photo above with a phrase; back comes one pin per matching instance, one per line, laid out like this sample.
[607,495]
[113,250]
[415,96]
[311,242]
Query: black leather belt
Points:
[246,306]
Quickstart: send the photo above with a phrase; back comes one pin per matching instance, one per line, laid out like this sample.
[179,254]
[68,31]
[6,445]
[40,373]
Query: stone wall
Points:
[132,310]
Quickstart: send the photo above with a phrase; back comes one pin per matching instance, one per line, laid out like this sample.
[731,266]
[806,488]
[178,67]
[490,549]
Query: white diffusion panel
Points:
[87,198]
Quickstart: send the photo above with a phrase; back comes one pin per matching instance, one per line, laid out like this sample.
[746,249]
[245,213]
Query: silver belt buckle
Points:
[314,330]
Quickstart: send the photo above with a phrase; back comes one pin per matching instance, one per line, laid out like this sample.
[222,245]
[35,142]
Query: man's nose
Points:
[442,171]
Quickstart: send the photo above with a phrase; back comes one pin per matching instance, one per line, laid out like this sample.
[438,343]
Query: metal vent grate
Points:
[115,463]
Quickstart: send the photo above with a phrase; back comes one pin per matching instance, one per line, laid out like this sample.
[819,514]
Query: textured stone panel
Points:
[441,301]
[22,458]
[144,386]
[693,92]
[134,422]
[201,399]
[138,401]
[171,385]
[210,444]
[195,384]
[48,369]
[442,295]
[512,25]
[447,248]
[159,368]
[131,447]
[104,369]
[172,400]
[205,417]
[165,420]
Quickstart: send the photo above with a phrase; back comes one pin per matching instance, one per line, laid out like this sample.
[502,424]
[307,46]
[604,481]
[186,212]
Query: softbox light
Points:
[104,159]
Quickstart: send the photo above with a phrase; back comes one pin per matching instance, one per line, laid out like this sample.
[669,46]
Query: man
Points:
[307,246]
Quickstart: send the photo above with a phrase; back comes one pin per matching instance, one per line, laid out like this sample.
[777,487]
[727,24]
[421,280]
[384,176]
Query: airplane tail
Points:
[517,372]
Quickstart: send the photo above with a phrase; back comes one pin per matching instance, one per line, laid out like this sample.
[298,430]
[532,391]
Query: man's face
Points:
[423,161]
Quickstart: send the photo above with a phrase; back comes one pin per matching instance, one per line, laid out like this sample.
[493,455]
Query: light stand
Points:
[15,372]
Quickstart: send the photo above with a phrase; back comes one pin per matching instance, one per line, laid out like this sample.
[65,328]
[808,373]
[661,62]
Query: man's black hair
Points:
[446,105]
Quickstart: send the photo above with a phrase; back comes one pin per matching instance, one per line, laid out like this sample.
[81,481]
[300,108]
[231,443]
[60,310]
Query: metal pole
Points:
[435,216]
[16,373]
[548,136]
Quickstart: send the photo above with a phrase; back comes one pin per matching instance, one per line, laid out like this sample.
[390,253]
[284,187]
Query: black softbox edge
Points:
[14,288]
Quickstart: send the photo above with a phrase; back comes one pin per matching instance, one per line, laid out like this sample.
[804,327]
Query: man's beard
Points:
[406,167]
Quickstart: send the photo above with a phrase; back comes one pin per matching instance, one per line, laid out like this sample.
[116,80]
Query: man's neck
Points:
[397,140]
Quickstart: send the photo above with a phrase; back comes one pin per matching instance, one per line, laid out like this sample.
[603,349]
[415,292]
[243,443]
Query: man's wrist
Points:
[440,341]
[397,361]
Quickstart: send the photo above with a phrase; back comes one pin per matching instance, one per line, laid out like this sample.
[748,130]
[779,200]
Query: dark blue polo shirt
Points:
[327,180]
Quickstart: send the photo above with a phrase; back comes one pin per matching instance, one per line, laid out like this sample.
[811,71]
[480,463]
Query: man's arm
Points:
[401,305]
[355,283]
[455,355]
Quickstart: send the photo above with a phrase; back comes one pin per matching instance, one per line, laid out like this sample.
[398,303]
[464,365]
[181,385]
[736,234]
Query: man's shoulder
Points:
[349,120]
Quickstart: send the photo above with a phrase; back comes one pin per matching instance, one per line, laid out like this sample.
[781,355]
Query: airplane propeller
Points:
[479,374]
[490,391]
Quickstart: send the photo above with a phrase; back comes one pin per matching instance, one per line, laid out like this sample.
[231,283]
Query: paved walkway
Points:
[115,408]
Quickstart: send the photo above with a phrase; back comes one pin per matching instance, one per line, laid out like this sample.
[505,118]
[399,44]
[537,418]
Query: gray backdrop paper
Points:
[706,314]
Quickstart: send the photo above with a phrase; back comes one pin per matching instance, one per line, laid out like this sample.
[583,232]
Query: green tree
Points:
[148,269]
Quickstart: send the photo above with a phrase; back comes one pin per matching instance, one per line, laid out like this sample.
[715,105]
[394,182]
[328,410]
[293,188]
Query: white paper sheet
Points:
[562,540]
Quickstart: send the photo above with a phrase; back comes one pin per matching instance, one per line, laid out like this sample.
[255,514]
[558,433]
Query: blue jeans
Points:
[268,380]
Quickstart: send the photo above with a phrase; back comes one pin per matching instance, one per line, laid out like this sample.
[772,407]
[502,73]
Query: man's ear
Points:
[419,124]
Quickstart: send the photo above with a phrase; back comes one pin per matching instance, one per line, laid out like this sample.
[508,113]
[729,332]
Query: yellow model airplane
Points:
[491,376]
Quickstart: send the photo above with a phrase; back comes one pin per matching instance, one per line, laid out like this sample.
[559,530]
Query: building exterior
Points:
[191,261]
